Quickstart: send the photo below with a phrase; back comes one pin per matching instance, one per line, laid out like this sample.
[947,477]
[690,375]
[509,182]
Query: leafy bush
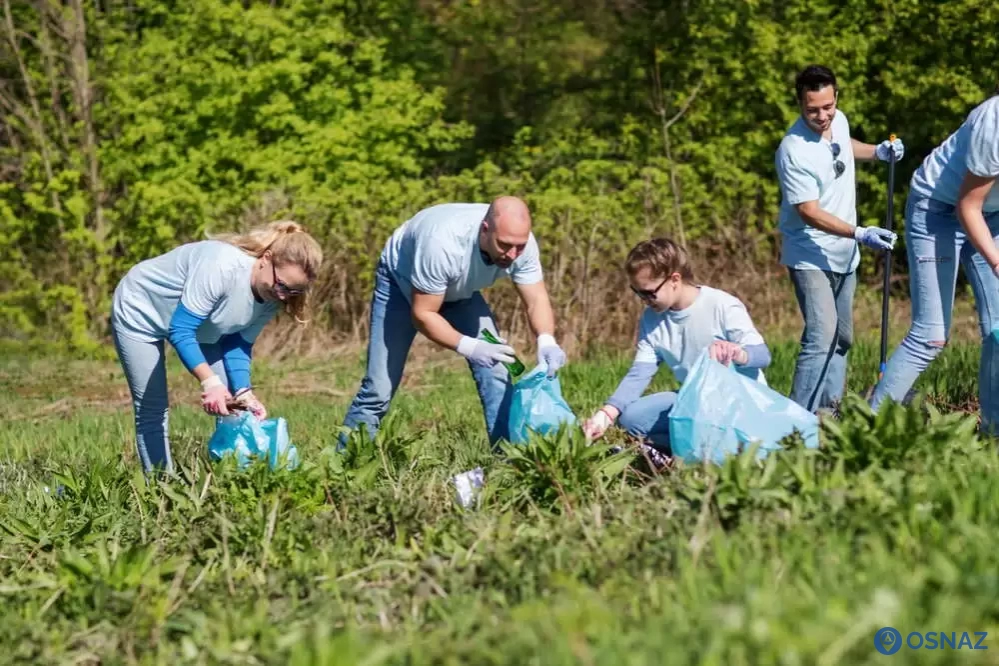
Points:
[556,470]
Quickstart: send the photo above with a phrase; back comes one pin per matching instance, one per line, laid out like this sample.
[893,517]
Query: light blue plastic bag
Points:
[246,437]
[537,405]
[719,412]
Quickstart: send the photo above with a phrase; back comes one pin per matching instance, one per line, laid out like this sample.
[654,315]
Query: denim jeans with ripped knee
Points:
[936,244]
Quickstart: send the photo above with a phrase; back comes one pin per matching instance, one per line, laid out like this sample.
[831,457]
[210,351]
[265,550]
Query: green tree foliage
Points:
[130,127]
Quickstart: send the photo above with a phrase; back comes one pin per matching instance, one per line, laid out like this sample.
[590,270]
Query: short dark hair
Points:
[814,78]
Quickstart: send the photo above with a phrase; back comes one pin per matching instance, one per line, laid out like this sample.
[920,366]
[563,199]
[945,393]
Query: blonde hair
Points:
[662,257]
[289,243]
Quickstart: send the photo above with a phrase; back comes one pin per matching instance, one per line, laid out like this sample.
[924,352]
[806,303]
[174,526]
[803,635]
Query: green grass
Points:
[569,558]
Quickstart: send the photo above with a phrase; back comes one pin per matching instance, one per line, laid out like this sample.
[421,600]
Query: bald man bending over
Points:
[429,279]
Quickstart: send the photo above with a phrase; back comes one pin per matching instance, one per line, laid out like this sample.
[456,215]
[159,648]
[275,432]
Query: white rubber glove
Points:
[875,237]
[247,399]
[550,354]
[885,148]
[480,352]
[214,396]
[595,426]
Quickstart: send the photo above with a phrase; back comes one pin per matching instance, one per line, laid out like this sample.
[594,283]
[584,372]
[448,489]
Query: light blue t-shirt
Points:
[677,337]
[806,171]
[437,252]
[973,147]
[211,278]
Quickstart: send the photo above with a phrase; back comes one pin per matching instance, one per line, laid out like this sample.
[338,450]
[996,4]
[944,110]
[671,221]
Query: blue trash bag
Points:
[720,412]
[537,405]
[244,436]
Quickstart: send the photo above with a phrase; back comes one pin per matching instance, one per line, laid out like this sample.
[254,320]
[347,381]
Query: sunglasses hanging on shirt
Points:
[838,164]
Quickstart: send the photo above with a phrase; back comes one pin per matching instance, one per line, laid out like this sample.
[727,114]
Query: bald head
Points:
[505,230]
[509,214]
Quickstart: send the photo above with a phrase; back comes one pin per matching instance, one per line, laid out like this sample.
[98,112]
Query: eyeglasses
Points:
[282,287]
[838,165]
[649,294]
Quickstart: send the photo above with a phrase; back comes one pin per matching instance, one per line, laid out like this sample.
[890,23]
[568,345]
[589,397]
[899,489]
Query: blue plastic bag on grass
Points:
[720,412]
[244,436]
[537,405]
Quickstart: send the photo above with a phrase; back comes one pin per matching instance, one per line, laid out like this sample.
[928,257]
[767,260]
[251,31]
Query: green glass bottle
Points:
[516,369]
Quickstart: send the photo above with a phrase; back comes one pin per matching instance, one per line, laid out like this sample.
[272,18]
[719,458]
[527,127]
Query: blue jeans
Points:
[826,302]
[936,243]
[648,418]
[145,370]
[392,334]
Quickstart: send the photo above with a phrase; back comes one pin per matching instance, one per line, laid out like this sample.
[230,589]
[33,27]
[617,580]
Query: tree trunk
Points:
[83,98]
[33,120]
[50,58]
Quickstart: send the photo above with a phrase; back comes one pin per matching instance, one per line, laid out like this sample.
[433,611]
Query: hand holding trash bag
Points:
[550,354]
[247,400]
[726,352]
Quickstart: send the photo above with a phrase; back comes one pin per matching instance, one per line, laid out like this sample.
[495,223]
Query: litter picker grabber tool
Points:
[889,225]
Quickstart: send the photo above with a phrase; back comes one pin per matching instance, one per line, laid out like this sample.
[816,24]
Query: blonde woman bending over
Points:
[210,299]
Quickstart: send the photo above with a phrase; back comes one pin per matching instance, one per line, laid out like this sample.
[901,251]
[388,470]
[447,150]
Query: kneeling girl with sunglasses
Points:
[210,299]
[681,319]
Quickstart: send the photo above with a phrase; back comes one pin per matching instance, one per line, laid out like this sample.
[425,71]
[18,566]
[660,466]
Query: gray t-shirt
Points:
[806,170]
[973,147]
[211,279]
[437,252]
[677,337]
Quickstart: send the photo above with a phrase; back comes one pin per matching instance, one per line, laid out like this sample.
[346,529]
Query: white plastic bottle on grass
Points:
[468,485]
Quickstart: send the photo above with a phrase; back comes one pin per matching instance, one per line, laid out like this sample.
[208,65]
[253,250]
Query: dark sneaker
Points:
[655,456]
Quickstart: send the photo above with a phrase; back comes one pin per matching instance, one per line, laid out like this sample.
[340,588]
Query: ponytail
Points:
[289,243]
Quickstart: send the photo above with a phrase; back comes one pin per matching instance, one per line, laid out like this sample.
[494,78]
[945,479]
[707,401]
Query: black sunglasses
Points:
[649,294]
[838,165]
[283,287]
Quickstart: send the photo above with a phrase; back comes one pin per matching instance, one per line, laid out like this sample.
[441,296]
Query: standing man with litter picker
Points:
[429,279]
[951,218]
[818,224]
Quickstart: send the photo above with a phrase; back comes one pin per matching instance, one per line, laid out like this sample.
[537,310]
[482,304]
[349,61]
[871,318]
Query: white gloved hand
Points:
[480,352]
[595,426]
[214,395]
[247,399]
[875,237]
[550,354]
[885,148]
